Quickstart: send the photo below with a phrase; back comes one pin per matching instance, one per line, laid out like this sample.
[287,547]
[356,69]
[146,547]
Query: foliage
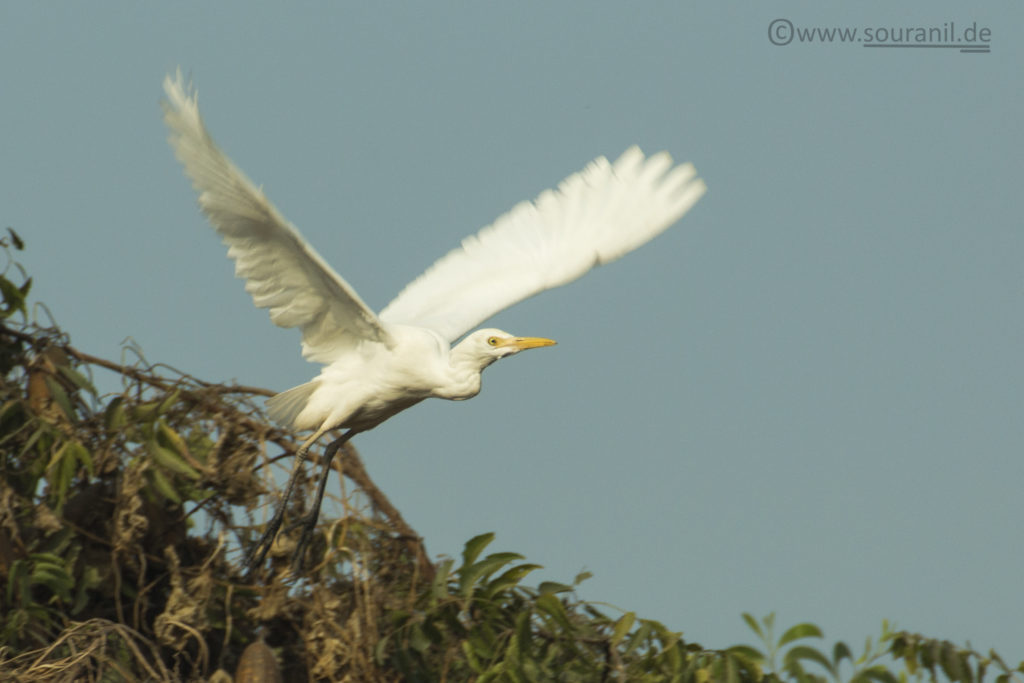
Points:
[123,518]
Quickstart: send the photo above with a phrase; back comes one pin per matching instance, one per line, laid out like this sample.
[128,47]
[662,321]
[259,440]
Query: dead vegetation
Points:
[123,520]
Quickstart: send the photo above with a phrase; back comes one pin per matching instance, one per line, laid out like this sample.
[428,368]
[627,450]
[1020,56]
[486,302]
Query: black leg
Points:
[310,520]
[259,552]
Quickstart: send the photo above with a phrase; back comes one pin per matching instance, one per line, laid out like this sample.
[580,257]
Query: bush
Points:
[124,517]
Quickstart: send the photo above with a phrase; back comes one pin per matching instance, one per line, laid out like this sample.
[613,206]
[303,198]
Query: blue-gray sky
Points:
[806,397]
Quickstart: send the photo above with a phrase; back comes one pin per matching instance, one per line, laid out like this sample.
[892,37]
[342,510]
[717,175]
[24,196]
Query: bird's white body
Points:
[377,365]
[373,382]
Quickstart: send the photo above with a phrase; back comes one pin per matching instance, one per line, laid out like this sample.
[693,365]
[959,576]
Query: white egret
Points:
[378,365]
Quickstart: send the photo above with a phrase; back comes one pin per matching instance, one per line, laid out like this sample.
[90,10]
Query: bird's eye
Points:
[493,341]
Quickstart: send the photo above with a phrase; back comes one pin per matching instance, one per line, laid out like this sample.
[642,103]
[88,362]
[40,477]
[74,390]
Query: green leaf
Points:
[55,577]
[749,660]
[432,632]
[380,651]
[163,485]
[439,586]
[547,587]
[803,652]
[482,640]
[60,397]
[674,657]
[950,661]
[841,652]
[622,627]
[551,606]
[639,637]
[754,626]
[492,674]
[16,240]
[474,547]
[47,558]
[63,466]
[169,401]
[471,657]
[417,639]
[170,460]
[76,378]
[509,578]
[82,455]
[879,673]
[469,576]
[799,631]
[16,584]
[14,298]
[398,617]
[523,631]
[168,438]
[732,675]
[113,415]
[145,412]
[664,635]
[747,652]
[89,580]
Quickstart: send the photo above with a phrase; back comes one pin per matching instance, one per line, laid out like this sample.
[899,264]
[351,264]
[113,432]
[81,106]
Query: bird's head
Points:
[489,345]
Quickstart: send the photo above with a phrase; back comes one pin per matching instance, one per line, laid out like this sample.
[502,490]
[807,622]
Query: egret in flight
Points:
[379,364]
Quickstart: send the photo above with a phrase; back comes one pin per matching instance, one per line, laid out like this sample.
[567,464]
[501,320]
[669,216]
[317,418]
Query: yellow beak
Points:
[523,343]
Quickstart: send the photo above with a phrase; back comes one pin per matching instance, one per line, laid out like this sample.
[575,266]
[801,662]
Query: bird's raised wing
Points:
[282,271]
[594,217]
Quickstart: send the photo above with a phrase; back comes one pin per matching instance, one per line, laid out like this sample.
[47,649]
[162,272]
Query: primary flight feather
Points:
[378,365]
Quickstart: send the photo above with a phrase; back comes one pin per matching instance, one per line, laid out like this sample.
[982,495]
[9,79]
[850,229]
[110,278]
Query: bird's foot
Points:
[308,524]
[258,553]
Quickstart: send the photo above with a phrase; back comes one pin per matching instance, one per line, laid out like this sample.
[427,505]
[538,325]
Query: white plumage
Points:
[379,365]
[594,217]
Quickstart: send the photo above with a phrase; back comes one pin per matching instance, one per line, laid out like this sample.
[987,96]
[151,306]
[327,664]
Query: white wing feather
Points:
[594,217]
[282,271]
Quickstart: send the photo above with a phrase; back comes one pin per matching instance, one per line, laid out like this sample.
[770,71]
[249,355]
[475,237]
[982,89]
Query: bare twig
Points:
[352,466]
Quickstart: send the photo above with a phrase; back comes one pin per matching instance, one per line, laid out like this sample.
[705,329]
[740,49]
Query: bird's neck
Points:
[463,375]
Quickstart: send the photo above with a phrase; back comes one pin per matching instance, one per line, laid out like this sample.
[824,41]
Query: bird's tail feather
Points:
[286,406]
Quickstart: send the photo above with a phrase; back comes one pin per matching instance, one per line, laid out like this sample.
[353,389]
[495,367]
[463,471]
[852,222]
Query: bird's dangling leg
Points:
[309,521]
[259,552]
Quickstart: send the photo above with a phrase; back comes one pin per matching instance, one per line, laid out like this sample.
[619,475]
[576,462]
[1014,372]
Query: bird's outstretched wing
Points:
[282,271]
[594,217]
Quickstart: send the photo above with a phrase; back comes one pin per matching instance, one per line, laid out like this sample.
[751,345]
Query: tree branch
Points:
[352,464]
